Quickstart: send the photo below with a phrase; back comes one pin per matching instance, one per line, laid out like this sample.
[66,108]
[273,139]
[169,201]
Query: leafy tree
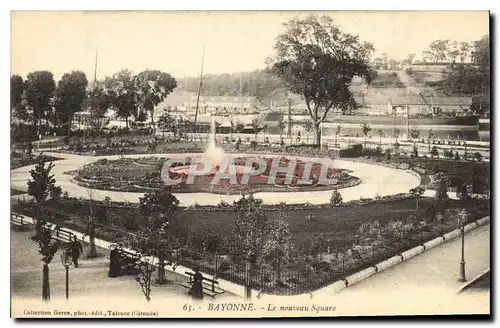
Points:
[464,49]
[366,129]
[315,59]
[122,94]
[39,90]
[154,240]
[69,96]
[462,193]
[156,237]
[140,116]
[153,87]
[250,229]
[417,192]
[438,49]
[316,244]
[396,132]
[337,132]
[442,191]
[91,225]
[380,132]
[481,53]
[166,122]
[255,124]
[41,184]
[158,202]
[239,127]
[410,58]
[16,97]
[308,127]
[278,247]
[100,101]
[414,133]
[281,126]
[336,198]
[388,155]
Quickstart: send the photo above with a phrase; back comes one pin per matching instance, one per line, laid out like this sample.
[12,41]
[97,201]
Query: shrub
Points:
[321,266]
[253,145]
[448,153]
[352,151]
[224,266]
[388,154]
[478,156]
[414,153]
[434,151]
[223,203]
[336,198]
[457,157]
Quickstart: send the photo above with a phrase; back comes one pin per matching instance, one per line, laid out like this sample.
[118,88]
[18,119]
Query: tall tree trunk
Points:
[152,112]
[91,231]
[161,269]
[317,134]
[45,283]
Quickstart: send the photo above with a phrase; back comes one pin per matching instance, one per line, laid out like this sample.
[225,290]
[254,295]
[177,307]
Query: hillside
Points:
[396,86]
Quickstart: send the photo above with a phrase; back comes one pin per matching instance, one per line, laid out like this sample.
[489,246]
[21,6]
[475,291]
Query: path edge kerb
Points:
[338,285]
[404,256]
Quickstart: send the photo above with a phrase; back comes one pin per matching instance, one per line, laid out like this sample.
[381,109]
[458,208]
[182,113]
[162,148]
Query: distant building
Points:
[222,104]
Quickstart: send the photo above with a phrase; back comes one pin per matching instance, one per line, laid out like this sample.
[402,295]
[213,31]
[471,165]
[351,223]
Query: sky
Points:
[234,41]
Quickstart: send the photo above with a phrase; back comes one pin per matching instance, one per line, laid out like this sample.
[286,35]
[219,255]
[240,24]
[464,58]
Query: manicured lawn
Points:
[338,224]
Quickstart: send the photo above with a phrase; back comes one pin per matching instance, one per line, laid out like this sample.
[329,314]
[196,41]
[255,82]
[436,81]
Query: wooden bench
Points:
[127,260]
[62,235]
[209,288]
[18,221]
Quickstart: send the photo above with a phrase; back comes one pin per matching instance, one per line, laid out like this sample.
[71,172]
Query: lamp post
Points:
[66,261]
[462,216]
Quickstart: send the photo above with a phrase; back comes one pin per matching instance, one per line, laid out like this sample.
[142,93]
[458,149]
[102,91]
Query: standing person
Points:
[76,249]
[197,289]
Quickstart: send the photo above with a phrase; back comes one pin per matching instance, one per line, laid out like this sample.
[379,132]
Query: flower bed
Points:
[356,237]
[143,174]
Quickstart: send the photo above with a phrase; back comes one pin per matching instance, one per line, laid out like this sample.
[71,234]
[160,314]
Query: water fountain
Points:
[215,154]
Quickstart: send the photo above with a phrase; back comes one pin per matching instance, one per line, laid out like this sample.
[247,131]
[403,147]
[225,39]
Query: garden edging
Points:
[337,286]
[404,256]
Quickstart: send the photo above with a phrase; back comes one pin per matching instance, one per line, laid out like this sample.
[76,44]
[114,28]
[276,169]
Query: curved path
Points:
[375,181]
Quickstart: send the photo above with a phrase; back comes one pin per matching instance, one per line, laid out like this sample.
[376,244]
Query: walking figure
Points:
[76,249]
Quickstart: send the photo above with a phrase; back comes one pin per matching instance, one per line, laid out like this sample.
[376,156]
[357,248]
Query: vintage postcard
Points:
[254,164]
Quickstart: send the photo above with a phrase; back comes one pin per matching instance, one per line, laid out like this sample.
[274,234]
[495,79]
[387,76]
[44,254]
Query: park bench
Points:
[127,260]
[18,221]
[62,235]
[209,288]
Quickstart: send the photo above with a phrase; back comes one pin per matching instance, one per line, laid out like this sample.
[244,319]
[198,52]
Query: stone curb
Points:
[468,284]
[406,255]
[337,286]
